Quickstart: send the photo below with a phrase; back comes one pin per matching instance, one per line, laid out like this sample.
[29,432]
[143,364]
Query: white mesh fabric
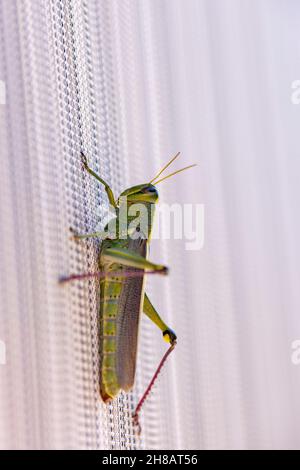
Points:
[130,83]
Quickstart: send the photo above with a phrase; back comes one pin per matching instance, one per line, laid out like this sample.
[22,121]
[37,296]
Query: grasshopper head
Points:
[141,193]
[147,192]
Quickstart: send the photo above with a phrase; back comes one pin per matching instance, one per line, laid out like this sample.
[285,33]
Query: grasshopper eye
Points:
[149,190]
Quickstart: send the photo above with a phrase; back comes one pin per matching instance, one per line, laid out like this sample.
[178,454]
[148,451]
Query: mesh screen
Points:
[130,83]
[70,67]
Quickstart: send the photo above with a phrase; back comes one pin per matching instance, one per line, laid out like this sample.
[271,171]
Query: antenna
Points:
[165,167]
[175,173]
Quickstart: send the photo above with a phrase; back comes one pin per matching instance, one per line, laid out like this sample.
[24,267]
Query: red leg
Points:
[135,415]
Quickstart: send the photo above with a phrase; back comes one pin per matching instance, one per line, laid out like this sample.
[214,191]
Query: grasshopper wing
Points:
[129,310]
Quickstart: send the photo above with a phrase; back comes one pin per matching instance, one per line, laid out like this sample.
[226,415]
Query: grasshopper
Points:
[123,264]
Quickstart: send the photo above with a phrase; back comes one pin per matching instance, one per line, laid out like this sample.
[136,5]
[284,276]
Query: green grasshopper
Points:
[122,265]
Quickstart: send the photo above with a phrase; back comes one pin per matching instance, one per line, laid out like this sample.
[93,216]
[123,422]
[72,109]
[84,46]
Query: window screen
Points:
[78,78]
[130,83]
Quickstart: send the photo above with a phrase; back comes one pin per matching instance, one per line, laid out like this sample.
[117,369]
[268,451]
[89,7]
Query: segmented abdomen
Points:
[110,290]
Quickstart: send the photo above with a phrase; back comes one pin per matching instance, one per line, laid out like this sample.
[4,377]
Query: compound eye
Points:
[149,190]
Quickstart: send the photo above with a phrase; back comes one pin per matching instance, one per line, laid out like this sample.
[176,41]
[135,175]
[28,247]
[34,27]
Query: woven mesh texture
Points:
[130,83]
[69,68]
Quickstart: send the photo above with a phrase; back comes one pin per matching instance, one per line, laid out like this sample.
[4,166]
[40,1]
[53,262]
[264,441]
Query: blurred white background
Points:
[132,83]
